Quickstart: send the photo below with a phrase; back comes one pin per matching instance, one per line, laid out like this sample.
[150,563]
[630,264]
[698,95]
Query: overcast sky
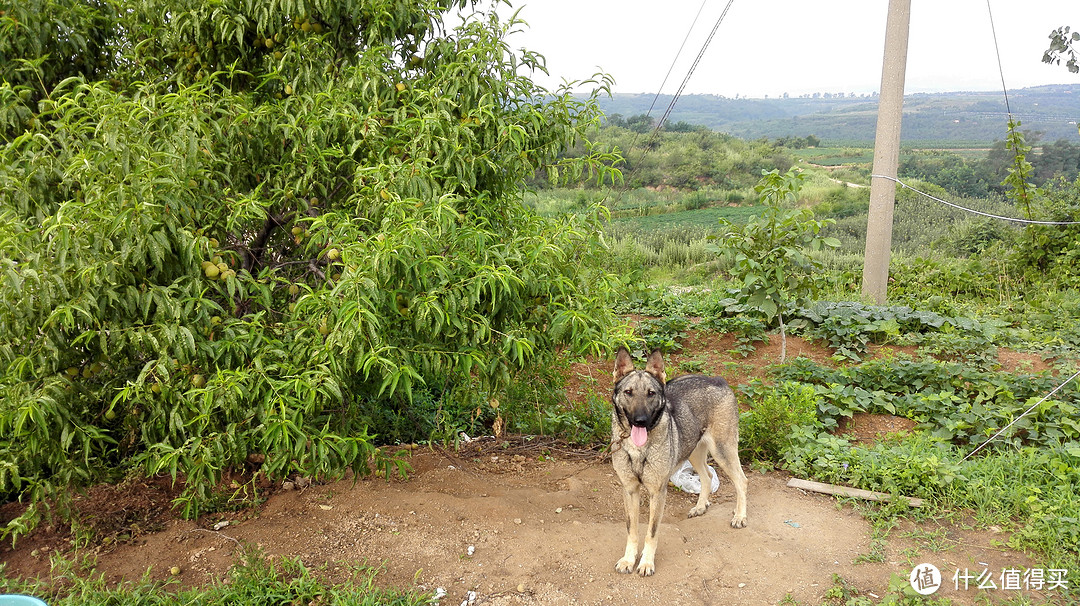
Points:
[770,47]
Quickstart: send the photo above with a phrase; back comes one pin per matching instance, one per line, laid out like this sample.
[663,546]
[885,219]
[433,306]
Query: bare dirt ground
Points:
[522,521]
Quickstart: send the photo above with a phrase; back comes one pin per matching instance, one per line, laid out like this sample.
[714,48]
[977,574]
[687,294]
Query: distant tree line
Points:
[643,123]
[983,177]
[684,156]
[691,157]
[792,142]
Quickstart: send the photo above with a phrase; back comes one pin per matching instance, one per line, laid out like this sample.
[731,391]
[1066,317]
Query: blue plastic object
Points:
[20,600]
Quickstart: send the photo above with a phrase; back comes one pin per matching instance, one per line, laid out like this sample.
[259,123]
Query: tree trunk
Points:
[783,339]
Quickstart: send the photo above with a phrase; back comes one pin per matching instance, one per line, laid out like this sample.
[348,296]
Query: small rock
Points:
[221,524]
[326,507]
[287,486]
[741,585]
[517,520]
[471,550]
[558,510]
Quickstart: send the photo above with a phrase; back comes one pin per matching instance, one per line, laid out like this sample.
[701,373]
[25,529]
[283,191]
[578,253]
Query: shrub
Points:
[765,430]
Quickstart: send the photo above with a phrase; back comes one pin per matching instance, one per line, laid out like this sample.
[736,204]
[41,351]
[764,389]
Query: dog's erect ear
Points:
[624,364]
[655,367]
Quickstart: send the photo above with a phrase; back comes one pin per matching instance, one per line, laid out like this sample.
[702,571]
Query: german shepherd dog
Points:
[656,425]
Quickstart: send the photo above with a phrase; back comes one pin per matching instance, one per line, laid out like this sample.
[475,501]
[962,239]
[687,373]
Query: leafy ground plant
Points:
[1024,481]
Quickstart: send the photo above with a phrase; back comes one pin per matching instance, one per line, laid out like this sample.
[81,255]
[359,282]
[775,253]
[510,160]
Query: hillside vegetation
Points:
[930,119]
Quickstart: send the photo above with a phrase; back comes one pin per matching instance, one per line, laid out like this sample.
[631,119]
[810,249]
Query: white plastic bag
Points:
[688,481]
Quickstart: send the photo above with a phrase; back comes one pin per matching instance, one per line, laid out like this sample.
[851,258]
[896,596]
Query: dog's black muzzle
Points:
[648,418]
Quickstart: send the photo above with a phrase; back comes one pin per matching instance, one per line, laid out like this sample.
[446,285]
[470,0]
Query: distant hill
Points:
[961,117]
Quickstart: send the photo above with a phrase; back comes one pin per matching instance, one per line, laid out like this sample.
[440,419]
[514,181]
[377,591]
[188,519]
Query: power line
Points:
[677,54]
[693,67]
[1018,159]
[971,210]
[656,97]
[682,86]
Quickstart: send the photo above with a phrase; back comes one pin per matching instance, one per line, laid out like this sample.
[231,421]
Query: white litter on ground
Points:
[687,480]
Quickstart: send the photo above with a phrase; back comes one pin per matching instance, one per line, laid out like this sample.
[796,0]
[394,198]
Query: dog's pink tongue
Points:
[638,435]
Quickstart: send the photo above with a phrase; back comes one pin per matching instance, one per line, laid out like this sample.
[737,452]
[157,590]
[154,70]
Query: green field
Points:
[834,156]
[704,217]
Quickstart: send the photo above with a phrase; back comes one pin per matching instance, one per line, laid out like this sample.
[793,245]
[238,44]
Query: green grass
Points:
[834,156]
[704,217]
[253,581]
[840,155]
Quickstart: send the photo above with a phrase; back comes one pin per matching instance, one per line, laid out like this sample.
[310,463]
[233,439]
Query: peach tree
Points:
[244,222]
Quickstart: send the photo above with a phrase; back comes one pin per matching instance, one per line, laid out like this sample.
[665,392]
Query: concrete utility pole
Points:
[886,152]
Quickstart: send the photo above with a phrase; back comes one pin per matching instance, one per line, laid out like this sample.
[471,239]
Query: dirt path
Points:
[519,529]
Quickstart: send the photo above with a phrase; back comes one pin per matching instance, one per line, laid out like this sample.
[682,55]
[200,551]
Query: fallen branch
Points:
[216,534]
[845,491]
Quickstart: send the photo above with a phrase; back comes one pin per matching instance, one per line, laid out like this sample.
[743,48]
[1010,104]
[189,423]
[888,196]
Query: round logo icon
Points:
[925,579]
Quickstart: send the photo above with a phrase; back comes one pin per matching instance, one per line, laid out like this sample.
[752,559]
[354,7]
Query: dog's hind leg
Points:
[632,501]
[699,459]
[728,460]
[647,565]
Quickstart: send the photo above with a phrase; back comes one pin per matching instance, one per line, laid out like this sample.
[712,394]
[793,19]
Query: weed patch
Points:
[255,579]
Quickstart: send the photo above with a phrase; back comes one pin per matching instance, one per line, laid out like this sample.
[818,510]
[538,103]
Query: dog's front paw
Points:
[698,510]
[646,568]
[625,566]
[739,521]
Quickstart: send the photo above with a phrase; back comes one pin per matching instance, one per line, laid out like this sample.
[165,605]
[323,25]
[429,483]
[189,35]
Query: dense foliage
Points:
[685,158]
[242,234]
